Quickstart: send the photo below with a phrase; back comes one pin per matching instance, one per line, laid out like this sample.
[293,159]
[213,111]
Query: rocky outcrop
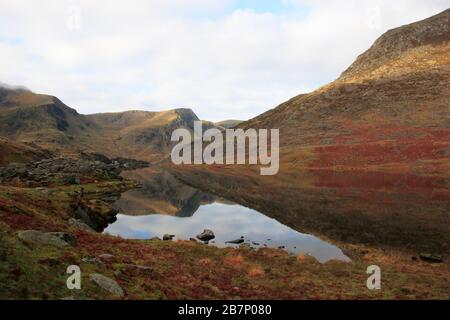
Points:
[66,171]
[79,224]
[95,213]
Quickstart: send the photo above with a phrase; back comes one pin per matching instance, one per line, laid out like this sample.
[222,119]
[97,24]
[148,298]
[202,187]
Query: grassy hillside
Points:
[365,159]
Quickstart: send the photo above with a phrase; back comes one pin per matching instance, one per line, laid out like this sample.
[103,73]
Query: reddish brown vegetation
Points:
[372,146]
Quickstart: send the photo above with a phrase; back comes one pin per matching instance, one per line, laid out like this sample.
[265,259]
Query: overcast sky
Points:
[222,58]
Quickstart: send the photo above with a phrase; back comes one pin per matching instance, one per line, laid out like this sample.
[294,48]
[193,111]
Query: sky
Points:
[225,59]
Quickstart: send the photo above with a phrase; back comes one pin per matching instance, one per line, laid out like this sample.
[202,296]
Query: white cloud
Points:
[220,60]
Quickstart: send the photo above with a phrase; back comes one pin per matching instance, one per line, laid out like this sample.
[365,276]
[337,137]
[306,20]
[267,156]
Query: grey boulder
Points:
[206,235]
[56,239]
[107,284]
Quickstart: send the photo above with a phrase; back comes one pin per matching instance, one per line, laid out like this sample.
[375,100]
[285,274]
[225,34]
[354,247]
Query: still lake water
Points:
[227,220]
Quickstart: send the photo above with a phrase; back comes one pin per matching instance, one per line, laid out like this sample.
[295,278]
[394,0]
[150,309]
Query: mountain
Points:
[143,134]
[364,159]
[45,120]
[389,108]
[29,117]
[228,124]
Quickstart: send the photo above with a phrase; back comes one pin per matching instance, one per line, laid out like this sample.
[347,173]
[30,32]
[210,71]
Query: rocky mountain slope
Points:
[389,108]
[45,120]
[42,119]
[144,134]
[366,158]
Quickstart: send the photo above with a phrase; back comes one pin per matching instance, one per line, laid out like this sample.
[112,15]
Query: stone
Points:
[91,260]
[107,284]
[428,257]
[70,239]
[83,216]
[78,223]
[106,256]
[168,237]
[206,235]
[56,239]
[237,241]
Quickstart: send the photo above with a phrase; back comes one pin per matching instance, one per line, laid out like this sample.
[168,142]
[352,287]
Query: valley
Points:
[364,176]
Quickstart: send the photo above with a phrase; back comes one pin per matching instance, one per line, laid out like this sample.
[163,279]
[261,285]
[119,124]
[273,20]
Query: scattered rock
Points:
[154,239]
[237,241]
[69,171]
[107,284]
[255,243]
[433,258]
[56,239]
[206,235]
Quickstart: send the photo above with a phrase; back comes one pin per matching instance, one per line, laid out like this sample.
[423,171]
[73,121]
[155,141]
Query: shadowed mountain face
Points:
[365,159]
[42,119]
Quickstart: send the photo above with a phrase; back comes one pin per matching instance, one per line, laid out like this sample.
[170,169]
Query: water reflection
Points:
[401,211]
[165,206]
[160,193]
[228,222]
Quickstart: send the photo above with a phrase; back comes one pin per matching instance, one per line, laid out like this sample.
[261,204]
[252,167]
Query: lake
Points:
[166,206]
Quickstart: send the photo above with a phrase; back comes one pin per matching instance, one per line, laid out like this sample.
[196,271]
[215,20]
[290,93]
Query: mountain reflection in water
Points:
[165,206]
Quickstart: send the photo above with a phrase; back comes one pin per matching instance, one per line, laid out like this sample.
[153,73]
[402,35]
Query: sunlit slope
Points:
[389,110]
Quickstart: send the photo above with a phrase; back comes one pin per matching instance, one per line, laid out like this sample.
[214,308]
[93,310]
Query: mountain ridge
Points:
[401,103]
[29,117]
